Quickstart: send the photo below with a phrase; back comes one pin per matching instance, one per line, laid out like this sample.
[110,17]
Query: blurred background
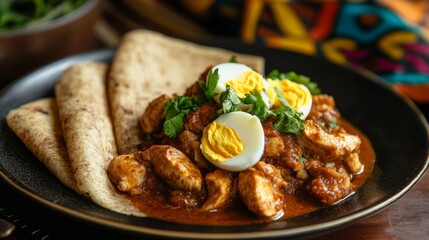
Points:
[389,38]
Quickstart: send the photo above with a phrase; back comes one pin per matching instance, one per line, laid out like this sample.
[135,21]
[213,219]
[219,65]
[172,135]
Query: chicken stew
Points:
[201,174]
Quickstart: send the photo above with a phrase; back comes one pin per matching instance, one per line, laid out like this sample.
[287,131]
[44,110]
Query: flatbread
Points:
[84,113]
[38,126]
[75,135]
[147,64]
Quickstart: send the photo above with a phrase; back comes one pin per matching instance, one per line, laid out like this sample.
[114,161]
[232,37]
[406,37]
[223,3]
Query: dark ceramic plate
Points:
[398,131]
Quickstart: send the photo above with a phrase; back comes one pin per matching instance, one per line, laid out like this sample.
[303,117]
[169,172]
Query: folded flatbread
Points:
[147,64]
[76,135]
[88,133]
[38,126]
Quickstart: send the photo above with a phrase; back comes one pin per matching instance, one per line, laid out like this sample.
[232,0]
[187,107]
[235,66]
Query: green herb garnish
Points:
[210,85]
[174,126]
[288,119]
[298,78]
[22,14]
[233,59]
[175,111]
[230,101]
[257,105]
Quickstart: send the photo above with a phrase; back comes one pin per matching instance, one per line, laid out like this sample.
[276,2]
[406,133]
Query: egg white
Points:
[250,131]
[228,71]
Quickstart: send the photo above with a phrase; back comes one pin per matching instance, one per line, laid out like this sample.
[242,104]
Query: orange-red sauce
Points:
[237,214]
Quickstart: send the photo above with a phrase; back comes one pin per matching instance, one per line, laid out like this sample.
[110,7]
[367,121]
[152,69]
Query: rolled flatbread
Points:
[88,133]
[38,126]
[148,64]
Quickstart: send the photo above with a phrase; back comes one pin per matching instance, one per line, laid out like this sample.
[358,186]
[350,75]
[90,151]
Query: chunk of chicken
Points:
[353,163]
[259,194]
[190,144]
[195,121]
[195,89]
[273,139]
[154,114]
[174,167]
[291,156]
[274,146]
[281,148]
[329,184]
[188,141]
[128,172]
[272,174]
[200,160]
[329,147]
[323,110]
[219,185]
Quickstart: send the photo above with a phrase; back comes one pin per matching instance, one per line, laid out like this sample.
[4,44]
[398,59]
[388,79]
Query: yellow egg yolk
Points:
[246,82]
[293,92]
[220,142]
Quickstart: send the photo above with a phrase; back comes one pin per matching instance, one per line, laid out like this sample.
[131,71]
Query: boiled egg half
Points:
[234,141]
[242,80]
[297,95]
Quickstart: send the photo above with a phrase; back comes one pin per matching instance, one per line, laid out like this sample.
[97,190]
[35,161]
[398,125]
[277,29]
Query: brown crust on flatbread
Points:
[38,126]
[148,64]
[84,113]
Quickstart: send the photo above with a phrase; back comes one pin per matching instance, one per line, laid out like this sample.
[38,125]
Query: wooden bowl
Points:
[23,50]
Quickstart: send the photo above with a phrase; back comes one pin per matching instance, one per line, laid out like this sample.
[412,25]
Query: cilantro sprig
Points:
[257,105]
[298,78]
[288,120]
[230,101]
[233,59]
[210,85]
[175,111]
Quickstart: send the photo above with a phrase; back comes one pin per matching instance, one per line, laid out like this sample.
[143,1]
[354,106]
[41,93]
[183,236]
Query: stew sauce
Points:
[296,203]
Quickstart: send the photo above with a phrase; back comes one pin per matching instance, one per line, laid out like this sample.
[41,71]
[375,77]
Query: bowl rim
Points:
[148,231]
[83,10]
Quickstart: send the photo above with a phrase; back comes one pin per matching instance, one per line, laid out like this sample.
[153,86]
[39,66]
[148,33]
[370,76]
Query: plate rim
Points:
[296,231]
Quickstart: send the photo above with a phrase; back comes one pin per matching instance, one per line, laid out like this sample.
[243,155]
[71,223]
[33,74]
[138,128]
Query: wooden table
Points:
[408,218]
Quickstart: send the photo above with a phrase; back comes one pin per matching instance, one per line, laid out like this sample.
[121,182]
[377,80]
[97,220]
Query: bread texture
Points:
[88,133]
[148,64]
[38,126]
[95,113]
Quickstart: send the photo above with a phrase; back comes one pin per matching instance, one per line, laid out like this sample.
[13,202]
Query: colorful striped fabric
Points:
[387,37]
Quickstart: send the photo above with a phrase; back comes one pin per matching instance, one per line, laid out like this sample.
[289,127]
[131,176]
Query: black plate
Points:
[398,131]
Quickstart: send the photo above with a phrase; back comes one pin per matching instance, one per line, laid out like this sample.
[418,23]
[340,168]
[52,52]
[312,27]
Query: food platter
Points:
[396,128]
